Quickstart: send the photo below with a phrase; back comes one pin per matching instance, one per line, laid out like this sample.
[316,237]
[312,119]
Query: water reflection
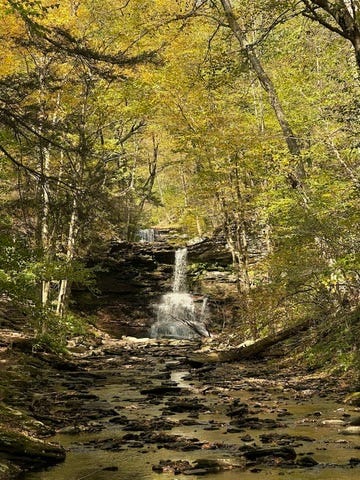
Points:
[86,461]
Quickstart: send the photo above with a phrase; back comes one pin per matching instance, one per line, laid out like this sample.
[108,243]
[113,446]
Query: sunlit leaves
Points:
[186,86]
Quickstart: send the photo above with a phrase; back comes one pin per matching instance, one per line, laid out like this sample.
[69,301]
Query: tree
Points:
[69,121]
[246,184]
[339,16]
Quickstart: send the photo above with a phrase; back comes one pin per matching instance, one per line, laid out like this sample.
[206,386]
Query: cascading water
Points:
[178,316]
[147,235]
[180,282]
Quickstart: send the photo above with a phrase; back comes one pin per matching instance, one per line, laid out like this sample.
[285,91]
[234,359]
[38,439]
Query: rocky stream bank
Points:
[139,408]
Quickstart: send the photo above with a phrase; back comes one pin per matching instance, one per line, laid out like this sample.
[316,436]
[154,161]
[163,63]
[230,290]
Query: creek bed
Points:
[202,405]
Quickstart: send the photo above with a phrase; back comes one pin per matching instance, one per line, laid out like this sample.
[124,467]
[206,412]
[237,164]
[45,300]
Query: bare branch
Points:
[135,128]
[20,165]
[31,171]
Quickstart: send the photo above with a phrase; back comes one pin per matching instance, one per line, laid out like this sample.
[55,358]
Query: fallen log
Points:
[253,350]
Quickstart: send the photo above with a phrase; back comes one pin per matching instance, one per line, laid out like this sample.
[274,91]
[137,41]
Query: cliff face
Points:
[132,277]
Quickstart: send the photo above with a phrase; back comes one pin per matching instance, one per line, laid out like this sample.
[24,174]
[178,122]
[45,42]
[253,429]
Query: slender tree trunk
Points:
[44,160]
[148,185]
[268,86]
[160,190]
[240,234]
[185,188]
[70,250]
[198,226]
[45,240]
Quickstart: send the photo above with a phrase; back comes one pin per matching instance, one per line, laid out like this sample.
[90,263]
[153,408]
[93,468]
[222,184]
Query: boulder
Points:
[286,453]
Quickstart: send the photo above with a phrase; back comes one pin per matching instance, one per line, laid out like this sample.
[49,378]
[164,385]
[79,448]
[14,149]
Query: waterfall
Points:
[179,283]
[147,235]
[178,316]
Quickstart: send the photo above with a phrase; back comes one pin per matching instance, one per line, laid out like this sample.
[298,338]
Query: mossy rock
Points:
[353,399]
[8,470]
[15,419]
[27,451]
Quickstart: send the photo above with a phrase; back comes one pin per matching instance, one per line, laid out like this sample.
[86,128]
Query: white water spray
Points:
[147,235]
[178,316]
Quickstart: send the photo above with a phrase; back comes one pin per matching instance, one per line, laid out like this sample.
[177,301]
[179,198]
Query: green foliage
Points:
[30,9]
[97,138]
[58,331]
[22,270]
[335,344]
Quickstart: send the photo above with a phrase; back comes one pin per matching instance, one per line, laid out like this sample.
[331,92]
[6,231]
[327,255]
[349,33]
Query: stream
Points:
[125,411]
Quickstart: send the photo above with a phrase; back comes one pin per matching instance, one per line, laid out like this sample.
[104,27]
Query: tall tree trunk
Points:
[44,160]
[268,86]
[44,222]
[148,185]
[70,251]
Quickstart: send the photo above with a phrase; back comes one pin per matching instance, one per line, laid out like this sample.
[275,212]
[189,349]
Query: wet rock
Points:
[284,438]
[199,467]
[210,250]
[8,470]
[61,410]
[137,445]
[215,465]
[183,405]
[247,438]
[256,423]
[351,430]
[353,399]
[146,425]
[168,466]
[161,390]
[286,453]
[201,369]
[130,436]
[13,418]
[238,409]
[306,461]
[190,422]
[234,429]
[189,447]
[119,419]
[284,413]
[333,422]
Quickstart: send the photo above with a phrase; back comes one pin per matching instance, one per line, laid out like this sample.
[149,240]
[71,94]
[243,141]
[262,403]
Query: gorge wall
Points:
[131,278]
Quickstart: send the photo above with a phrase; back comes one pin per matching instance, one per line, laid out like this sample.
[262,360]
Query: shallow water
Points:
[122,391]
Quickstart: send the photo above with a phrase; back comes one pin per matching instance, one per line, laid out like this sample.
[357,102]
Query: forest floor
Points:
[145,396]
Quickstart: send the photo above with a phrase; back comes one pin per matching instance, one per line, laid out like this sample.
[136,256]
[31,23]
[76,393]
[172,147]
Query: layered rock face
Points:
[131,278]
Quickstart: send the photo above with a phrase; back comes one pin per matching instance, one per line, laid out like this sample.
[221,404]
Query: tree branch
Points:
[20,165]
[32,171]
